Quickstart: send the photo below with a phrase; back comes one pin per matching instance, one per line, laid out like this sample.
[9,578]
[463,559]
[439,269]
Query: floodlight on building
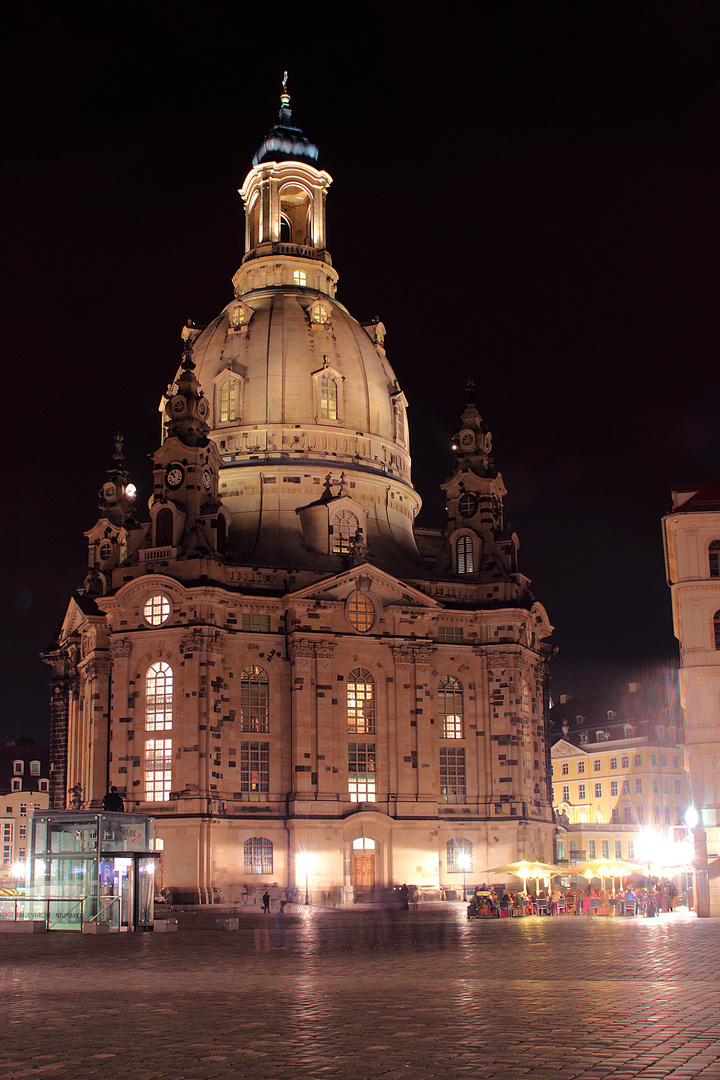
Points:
[691,817]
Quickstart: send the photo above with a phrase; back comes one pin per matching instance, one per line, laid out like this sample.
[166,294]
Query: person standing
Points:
[266,902]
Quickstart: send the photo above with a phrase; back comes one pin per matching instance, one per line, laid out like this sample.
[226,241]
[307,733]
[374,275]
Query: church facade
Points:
[302,687]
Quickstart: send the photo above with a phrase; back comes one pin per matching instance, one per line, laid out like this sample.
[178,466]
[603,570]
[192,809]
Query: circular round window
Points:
[467,505]
[361,612]
[105,550]
[157,610]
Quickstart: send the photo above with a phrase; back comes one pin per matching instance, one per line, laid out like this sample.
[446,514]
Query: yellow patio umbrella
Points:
[528,868]
[603,868]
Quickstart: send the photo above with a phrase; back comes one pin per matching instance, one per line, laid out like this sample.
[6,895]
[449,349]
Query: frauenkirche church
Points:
[293,680]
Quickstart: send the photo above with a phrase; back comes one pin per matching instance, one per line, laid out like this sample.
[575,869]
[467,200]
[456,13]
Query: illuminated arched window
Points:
[258,855]
[344,530]
[714,558]
[464,552]
[254,699]
[450,708]
[361,612]
[158,697]
[328,398]
[361,702]
[227,401]
[459,856]
[299,278]
[716,623]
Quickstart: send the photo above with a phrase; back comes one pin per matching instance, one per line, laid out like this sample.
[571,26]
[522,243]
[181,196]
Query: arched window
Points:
[450,708]
[254,699]
[227,401]
[464,552]
[714,558]
[361,702]
[361,612]
[285,230]
[459,856]
[258,855]
[158,697]
[716,623]
[299,278]
[164,528]
[344,530]
[328,398]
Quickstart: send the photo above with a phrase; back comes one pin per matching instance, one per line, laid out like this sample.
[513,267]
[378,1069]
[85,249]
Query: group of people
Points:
[487,903]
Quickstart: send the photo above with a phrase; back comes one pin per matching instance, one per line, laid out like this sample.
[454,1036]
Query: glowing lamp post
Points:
[464,864]
[303,861]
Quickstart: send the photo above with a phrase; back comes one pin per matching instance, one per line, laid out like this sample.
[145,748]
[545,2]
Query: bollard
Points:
[165,926]
[96,928]
[228,924]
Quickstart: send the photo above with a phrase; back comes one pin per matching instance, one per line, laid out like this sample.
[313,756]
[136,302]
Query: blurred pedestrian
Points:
[266,902]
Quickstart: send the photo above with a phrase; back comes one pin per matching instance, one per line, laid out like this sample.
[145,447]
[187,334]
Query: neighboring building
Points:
[618,772]
[692,560]
[295,682]
[24,787]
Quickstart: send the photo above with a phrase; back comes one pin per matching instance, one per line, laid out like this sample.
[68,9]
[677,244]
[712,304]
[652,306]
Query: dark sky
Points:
[528,196]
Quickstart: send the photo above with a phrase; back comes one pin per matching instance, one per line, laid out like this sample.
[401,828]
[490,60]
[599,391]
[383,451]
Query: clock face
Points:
[467,505]
[174,476]
[207,480]
[202,408]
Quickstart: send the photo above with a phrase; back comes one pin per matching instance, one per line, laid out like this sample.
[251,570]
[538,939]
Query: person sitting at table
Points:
[629,894]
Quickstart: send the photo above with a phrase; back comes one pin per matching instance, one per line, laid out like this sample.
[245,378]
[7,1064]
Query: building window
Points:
[613,763]
[714,558]
[34,768]
[227,399]
[320,314]
[361,772]
[255,624]
[580,767]
[597,765]
[566,793]
[638,785]
[676,761]
[678,787]
[450,708]
[464,552]
[158,769]
[452,774]
[18,767]
[631,849]
[300,278]
[361,612]
[16,785]
[254,700]
[157,608]
[604,849]
[344,530]
[716,626]
[451,635]
[613,788]
[561,849]
[565,768]
[23,809]
[598,791]
[656,787]
[158,697]
[258,855]
[581,791]
[637,761]
[361,703]
[328,398]
[459,856]
[592,849]
[255,770]
[653,759]
[43,785]
[615,815]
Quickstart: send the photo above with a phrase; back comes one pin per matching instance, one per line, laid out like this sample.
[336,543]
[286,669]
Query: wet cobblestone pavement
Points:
[365,994]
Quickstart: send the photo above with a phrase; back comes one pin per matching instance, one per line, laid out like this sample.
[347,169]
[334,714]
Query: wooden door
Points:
[364,870]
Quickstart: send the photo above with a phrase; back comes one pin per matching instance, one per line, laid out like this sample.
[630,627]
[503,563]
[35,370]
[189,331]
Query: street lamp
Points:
[464,864]
[303,860]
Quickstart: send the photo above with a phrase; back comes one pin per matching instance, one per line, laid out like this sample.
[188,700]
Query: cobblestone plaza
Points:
[364,994]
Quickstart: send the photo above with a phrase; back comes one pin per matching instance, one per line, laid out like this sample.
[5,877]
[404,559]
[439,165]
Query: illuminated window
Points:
[328,398]
[361,612]
[565,770]
[716,625]
[361,702]
[450,708]
[237,317]
[227,401]
[450,634]
[464,552]
[255,770]
[157,608]
[459,856]
[320,314]
[256,624]
[258,855]
[361,772]
[344,531]
[254,700]
[158,697]
[452,774]
[300,278]
[714,558]
[158,769]
[581,766]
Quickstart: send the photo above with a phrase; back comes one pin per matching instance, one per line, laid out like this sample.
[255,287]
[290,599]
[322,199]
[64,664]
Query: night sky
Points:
[527,196]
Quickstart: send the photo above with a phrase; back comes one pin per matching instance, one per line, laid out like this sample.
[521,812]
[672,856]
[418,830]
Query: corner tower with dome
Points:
[301,686]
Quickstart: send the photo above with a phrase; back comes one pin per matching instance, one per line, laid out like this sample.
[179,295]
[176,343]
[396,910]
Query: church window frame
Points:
[328,398]
[300,278]
[320,314]
[329,395]
[228,388]
[105,550]
[714,558]
[157,609]
[360,702]
[451,708]
[465,554]
[255,700]
[362,766]
[344,527]
[159,681]
[158,770]
[258,855]
[459,856]
[255,771]
[361,612]
[453,788]
[468,504]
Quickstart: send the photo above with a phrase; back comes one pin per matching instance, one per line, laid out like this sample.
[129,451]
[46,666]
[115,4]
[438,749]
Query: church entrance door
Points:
[364,871]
